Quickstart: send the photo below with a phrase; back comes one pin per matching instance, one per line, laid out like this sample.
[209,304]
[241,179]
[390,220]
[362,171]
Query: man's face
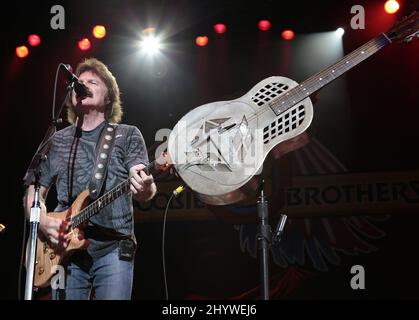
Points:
[98,98]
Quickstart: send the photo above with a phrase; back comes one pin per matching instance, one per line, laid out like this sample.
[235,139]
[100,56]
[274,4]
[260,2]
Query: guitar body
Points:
[219,148]
[47,256]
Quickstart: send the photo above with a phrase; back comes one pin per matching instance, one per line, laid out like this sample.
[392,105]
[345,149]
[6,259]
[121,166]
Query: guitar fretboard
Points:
[107,198]
[322,78]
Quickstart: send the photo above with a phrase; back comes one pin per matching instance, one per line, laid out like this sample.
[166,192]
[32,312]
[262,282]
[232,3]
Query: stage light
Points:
[84,44]
[99,32]
[22,52]
[149,30]
[150,45]
[34,40]
[339,32]
[264,25]
[220,28]
[288,34]
[391,6]
[201,41]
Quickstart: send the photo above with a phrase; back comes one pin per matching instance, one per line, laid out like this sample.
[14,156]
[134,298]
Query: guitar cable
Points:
[175,193]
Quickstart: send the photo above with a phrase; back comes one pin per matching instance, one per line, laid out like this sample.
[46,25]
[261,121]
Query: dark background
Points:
[367,119]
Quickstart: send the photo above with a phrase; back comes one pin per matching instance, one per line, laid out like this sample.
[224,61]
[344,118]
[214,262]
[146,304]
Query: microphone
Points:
[80,89]
[280,228]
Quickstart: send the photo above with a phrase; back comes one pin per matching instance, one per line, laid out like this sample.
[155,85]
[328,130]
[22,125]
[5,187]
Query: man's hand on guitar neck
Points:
[143,187]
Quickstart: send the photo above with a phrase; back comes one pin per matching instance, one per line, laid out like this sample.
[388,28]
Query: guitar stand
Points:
[265,239]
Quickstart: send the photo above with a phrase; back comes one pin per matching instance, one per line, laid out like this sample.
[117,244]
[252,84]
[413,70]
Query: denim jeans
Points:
[109,277]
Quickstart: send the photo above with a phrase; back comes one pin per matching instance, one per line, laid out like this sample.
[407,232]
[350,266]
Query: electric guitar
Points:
[48,256]
[219,148]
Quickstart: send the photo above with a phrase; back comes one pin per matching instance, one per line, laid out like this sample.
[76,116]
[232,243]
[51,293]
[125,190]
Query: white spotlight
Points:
[339,32]
[150,45]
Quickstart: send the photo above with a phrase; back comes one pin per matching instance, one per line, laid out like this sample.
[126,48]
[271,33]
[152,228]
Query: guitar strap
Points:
[103,154]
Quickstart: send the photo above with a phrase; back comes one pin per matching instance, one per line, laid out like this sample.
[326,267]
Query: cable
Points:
[162,245]
[55,91]
[178,190]
[175,193]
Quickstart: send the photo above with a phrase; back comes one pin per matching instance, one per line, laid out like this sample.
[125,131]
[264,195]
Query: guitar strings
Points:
[85,213]
[368,48]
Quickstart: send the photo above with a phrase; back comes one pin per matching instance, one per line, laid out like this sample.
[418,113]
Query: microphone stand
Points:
[264,237]
[32,177]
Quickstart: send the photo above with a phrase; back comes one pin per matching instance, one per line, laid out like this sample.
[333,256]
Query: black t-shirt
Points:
[69,165]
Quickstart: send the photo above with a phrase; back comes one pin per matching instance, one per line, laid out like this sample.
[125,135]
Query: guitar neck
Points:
[322,78]
[107,198]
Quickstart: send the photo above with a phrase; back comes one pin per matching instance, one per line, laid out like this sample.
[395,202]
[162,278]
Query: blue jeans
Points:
[109,277]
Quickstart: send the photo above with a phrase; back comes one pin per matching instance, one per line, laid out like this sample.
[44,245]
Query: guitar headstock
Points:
[406,29]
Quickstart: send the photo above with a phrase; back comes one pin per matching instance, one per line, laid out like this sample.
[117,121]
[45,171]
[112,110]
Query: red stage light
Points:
[264,25]
[22,52]
[391,6]
[99,32]
[288,34]
[34,40]
[220,28]
[201,41]
[84,44]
